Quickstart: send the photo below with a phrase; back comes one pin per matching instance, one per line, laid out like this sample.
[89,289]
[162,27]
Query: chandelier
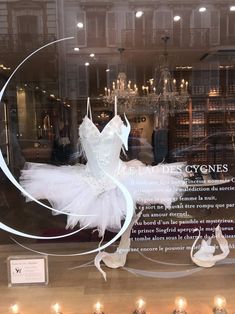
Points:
[163,98]
[125,91]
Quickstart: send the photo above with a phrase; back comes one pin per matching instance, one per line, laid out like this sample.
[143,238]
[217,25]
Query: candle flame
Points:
[180,303]
[56,308]
[140,304]
[15,308]
[220,302]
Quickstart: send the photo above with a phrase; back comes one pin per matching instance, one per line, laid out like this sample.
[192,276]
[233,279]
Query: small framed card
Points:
[27,270]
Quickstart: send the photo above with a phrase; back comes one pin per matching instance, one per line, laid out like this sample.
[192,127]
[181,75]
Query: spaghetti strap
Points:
[115,105]
[88,109]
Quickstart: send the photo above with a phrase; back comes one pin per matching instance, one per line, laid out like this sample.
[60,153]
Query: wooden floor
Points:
[79,289]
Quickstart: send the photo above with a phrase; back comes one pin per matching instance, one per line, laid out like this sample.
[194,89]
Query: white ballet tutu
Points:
[74,190]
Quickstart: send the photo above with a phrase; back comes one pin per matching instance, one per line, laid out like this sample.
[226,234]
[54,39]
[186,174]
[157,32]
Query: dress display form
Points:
[87,190]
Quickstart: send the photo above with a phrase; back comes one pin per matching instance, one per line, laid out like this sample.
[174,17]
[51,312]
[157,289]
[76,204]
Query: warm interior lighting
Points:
[87,64]
[56,308]
[232,8]
[80,25]
[202,9]
[139,14]
[76,49]
[140,304]
[92,55]
[177,18]
[15,309]
[219,302]
[180,304]
[98,308]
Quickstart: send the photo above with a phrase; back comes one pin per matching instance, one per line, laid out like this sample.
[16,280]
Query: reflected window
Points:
[96,26]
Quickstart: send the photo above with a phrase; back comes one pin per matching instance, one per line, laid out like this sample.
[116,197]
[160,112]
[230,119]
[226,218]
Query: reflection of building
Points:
[56,82]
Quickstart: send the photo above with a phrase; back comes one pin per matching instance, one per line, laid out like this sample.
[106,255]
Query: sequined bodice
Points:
[103,148]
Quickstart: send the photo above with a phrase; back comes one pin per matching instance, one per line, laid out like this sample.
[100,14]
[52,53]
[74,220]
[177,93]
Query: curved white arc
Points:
[129,214]
[193,246]
[30,236]
[2,161]
[160,262]
[162,274]
[43,253]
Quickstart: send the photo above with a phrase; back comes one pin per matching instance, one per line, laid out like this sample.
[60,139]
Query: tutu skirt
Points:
[74,190]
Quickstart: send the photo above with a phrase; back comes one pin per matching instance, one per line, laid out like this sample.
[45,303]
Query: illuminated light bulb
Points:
[56,308]
[174,81]
[139,14]
[80,25]
[15,309]
[92,55]
[219,305]
[177,18]
[202,9]
[87,64]
[76,48]
[98,308]
[107,70]
[44,92]
[180,306]
[52,95]
[232,8]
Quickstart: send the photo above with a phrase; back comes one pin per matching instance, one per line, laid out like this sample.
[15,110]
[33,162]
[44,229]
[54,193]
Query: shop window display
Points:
[120,120]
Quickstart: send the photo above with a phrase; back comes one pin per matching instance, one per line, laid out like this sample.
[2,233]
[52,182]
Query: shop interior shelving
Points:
[205,131]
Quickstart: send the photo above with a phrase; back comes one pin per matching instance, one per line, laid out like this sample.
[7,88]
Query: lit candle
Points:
[180,305]
[56,308]
[186,85]
[174,81]
[109,92]
[220,305]
[183,81]
[98,308]
[140,307]
[105,90]
[15,309]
